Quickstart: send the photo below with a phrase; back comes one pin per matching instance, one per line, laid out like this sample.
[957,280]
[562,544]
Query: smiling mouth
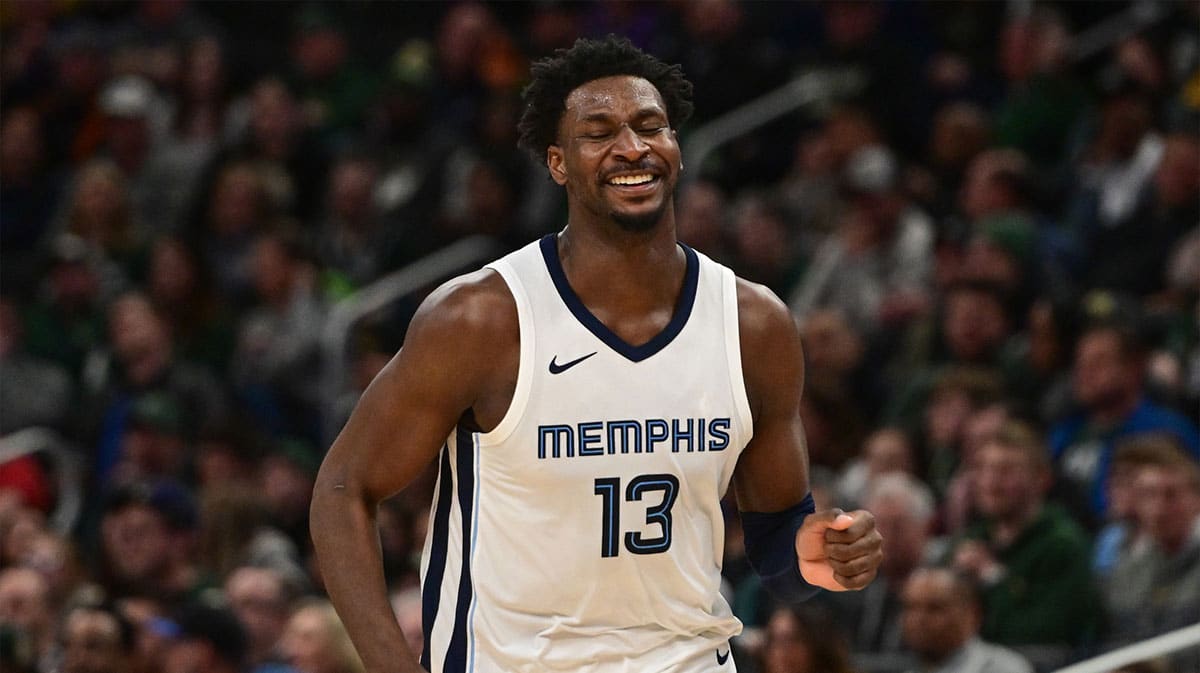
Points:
[632,180]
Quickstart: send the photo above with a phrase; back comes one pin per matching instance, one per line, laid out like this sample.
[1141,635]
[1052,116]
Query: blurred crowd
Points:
[985,217]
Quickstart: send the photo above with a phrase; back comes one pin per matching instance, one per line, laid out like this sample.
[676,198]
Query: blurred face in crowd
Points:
[139,338]
[137,543]
[313,641]
[273,118]
[20,145]
[237,203]
[257,597]
[701,216]
[92,643]
[974,324]
[886,451]
[1177,179]
[351,189]
[172,272]
[830,343]
[944,416]
[272,270]
[100,203]
[1103,375]
[937,617]
[1167,502]
[24,601]
[787,649]
[904,532]
[1007,480]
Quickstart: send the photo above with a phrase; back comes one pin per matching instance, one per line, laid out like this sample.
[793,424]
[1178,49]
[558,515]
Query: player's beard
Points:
[640,222]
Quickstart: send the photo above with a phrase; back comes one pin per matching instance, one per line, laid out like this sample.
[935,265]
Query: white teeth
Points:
[632,179]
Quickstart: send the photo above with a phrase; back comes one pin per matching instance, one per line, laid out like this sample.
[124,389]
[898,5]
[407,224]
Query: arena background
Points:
[217,217]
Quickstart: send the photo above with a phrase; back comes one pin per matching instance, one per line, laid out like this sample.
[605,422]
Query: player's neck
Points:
[604,261]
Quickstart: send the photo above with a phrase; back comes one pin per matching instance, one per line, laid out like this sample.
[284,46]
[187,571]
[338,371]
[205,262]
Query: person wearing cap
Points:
[877,266]
[153,445]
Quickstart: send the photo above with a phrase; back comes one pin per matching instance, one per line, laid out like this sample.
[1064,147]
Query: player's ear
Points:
[556,162]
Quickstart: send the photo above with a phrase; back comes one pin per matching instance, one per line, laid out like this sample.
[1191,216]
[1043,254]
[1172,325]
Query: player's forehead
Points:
[616,96]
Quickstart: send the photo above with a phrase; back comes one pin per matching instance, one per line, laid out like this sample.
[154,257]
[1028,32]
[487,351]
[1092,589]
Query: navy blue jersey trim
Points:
[456,652]
[431,592]
[683,307]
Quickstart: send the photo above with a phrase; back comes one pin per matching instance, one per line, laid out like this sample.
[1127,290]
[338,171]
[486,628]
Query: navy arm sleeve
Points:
[771,550]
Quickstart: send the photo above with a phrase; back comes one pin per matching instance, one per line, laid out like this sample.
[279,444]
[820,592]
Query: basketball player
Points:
[601,389]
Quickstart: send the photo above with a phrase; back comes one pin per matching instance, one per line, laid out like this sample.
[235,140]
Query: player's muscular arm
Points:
[452,359]
[833,550]
[772,472]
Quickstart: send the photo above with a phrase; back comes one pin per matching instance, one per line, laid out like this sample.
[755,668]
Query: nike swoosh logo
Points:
[556,368]
[721,659]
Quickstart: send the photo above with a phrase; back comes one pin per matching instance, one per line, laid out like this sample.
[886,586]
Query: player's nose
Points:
[629,145]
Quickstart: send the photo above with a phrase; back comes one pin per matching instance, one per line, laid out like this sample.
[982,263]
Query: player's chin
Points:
[638,219]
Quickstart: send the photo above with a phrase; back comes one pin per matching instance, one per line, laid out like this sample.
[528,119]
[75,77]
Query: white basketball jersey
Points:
[584,533]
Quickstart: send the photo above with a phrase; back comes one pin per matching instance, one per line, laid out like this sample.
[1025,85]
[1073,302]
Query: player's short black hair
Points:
[553,78]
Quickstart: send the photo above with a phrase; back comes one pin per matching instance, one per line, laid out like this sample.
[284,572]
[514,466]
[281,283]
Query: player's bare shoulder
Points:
[772,358]
[474,305]
[466,329]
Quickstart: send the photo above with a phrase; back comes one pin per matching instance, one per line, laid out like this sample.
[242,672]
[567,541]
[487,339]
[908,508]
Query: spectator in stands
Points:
[904,513]
[147,543]
[1120,528]
[25,604]
[960,133]
[355,245]
[316,642]
[333,91]
[1127,252]
[239,209]
[153,444]
[96,638]
[941,619]
[884,451]
[100,212]
[762,243]
[36,392]
[1030,558]
[1155,584]
[804,639]
[29,189]
[1109,383]
[201,122]
[1044,99]
[967,334]
[134,121]
[66,319]
[276,359]
[141,359]
[285,479]
[237,532]
[210,640]
[260,597]
[279,145]
[956,394]
[877,266]
[704,219]
[183,293]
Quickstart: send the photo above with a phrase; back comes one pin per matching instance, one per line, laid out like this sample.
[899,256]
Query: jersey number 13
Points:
[609,488]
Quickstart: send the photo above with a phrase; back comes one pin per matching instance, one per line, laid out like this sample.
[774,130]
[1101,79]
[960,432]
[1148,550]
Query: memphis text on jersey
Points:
[598,438]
